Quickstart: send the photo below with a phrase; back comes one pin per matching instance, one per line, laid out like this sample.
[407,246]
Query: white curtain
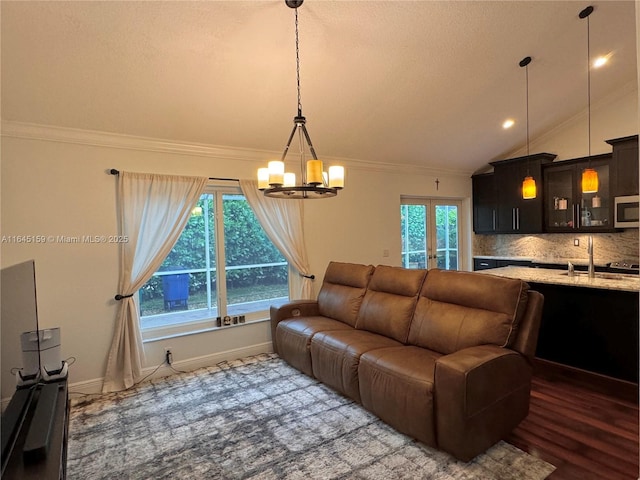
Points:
[282,220]
[153,211]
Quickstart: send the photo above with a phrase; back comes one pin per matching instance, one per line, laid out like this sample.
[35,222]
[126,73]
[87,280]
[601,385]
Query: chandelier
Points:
[274,181]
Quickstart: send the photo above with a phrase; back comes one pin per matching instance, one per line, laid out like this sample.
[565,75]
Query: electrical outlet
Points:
[576,242]
[168,356]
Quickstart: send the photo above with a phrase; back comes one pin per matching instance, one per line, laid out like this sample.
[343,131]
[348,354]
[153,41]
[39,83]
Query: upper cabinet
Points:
[624,166]
[515,214]
[560,206]
[485,207]
[567,209]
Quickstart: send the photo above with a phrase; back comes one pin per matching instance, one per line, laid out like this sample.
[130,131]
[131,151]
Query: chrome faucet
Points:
[592,272]
[570,269]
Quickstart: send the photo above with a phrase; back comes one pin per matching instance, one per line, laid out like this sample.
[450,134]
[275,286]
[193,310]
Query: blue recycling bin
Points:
[175,288]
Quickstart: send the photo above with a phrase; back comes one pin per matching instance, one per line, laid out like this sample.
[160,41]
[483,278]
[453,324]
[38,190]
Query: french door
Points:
[430,233]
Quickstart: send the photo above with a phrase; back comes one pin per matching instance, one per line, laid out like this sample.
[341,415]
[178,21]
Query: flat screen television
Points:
[18,332]
[18,327]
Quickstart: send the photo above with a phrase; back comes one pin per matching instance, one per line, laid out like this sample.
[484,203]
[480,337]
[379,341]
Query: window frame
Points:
[208,324]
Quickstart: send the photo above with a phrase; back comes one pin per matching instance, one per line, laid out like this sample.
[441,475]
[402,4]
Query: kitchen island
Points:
[587,323]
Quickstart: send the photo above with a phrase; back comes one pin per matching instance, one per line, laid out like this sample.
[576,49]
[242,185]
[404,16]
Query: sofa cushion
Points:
[342,291]
[390,301]
[397,384]
[335,356]
[293,338]
[457,310]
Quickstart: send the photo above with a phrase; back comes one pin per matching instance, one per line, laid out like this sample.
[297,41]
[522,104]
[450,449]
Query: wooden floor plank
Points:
[584,432]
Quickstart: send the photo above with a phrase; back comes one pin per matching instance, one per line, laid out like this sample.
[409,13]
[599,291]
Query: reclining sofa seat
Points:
[448,364]
[383,321]
[337,307]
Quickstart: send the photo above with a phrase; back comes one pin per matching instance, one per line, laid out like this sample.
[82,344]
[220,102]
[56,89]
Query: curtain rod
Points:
[113,171]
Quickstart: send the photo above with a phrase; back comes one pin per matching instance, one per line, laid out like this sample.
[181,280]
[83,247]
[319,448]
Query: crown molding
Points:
[52,133]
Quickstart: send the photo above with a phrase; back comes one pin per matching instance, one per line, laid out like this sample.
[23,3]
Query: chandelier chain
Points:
[298,65]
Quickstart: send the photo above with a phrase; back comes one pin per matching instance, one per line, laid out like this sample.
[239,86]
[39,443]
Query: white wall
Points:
[54,183]
[614,117]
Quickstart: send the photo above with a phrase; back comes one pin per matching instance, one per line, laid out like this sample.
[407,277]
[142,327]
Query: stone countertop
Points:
[497,257]
[603,281]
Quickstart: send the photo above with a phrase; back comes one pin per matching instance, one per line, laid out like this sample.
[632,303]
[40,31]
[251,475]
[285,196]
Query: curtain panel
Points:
[153,211]
[282,221]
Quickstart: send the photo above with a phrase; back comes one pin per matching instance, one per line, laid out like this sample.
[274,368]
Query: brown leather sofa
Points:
[442,356]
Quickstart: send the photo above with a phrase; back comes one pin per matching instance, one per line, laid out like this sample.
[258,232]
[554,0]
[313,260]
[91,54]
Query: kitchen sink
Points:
[607,276]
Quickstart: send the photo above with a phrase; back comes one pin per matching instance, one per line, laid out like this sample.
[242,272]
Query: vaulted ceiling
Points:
[406,82]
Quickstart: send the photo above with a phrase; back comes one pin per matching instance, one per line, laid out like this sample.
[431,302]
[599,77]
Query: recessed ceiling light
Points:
[508,123]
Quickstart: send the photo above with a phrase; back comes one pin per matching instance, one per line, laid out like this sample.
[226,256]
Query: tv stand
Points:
[40,440]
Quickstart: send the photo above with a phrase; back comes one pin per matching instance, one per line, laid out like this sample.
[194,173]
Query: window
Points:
[223,264]
[430,233]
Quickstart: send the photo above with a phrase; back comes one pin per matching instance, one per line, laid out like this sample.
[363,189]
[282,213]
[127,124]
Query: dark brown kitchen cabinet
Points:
[515,214]
[624,166]
[578,329]
[567,209]
[484,203]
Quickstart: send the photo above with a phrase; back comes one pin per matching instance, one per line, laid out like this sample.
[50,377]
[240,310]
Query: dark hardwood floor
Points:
[584,431]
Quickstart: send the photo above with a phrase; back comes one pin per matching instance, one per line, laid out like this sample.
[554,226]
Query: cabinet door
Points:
[566,208]
[508,178]
[594,211]
[515,214]
[484,203]
[559,182]
[529,211]
[625,162]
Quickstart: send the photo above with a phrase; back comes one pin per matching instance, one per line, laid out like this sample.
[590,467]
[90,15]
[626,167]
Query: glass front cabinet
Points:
[567,208]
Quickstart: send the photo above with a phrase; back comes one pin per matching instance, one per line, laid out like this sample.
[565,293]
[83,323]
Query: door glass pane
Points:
[446,237]
[256,272]
[414,236]
[559,184]
[594,207]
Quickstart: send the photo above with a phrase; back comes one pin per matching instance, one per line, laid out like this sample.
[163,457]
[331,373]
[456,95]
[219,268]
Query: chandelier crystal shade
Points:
[314,181]
[589,181]
[529,190]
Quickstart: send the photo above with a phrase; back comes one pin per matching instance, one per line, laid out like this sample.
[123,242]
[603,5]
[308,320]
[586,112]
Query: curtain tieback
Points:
[312,277]
[121,297]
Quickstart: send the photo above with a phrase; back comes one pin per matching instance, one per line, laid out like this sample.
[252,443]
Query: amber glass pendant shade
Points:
[528,188]
[589,180]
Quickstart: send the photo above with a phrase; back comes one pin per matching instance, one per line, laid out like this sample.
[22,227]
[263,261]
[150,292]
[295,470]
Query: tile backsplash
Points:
[607,246]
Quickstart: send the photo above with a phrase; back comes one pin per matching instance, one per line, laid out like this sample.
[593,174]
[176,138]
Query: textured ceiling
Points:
[423,82]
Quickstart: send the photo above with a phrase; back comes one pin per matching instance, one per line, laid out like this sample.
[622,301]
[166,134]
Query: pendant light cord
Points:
[589,89]
[526,70]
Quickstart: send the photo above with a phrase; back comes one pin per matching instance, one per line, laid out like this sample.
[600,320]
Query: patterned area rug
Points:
[258,418]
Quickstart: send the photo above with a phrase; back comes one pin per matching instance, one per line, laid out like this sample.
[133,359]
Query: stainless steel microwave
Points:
[626,212]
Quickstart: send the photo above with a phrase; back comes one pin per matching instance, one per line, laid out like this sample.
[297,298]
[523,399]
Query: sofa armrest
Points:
[481,394]
[298,308]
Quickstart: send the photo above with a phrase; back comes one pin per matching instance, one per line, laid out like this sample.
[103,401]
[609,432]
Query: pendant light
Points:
[528,184]
[589,175]
[315,182]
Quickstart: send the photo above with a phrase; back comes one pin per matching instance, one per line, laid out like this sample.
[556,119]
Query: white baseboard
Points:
[94,386]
